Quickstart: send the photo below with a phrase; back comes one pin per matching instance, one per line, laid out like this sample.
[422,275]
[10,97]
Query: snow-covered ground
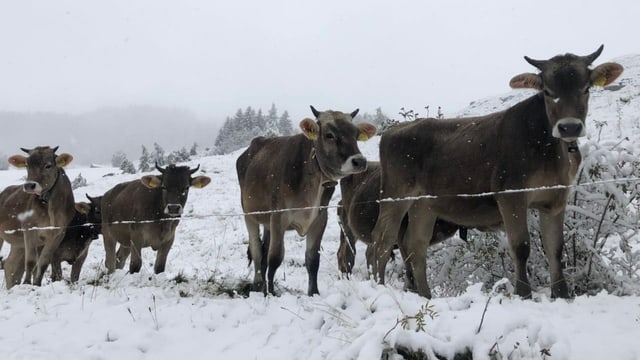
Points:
[192,312]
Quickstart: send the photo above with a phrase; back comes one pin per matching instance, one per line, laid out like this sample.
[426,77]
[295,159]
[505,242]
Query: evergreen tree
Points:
[145,164]
[158,155]
[284,124]
[127,167]
[194,149]
[117,158]
[271,122]
[178,156]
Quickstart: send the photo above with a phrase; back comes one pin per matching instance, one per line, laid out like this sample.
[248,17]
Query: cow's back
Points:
[271,170]
[131,201]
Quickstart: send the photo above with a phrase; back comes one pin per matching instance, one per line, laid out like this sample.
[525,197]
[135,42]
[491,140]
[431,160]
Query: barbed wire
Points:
[326,207]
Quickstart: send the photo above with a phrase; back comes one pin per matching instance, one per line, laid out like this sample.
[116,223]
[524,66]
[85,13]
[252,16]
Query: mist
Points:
[93,137]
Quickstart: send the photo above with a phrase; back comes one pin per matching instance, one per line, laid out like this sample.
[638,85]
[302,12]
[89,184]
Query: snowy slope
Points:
[191,311]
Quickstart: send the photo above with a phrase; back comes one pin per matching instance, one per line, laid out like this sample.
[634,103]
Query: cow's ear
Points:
[367,131]
[83,207]
[63,160]
[199,182]
[526,81]
[605,74]
[18,161]
[151,181]
[310,129]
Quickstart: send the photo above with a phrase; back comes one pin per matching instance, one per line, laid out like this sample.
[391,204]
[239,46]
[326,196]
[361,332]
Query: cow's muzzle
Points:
[569,129]
[32,187]
[354,164]
[173,210]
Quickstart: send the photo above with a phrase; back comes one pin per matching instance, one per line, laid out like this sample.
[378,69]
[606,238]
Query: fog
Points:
[208,58]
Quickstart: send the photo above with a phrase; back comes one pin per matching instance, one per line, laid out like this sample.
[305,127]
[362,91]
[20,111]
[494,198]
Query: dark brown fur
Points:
[145,213]
[358,215]
[295,172]
[74,248]
[529,145]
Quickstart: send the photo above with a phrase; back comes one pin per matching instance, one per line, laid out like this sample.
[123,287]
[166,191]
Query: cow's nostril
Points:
[173,209]
[359,162]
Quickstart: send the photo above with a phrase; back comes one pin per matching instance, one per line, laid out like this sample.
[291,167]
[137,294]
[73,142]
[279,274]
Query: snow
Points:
[195,309]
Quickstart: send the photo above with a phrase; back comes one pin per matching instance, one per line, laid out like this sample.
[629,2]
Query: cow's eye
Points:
[330,136]
[553,96]
[47,166]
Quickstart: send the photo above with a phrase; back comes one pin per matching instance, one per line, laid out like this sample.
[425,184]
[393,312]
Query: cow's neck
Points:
[46,195]
[325,181]
[60,195]
[542,140]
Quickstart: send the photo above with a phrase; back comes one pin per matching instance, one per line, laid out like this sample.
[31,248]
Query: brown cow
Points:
[44,202]
[74,248]
[358,215]
[145,213]
[530,145]
[294,172]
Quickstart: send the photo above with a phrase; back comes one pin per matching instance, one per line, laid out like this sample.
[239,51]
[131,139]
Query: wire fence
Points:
[325,207]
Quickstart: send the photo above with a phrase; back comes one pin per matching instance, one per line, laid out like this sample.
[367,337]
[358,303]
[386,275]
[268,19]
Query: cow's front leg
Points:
[135,264]
[385,233]
[415,243]
[276,249]
[44,258]
[161,256]
[312,254]
[30,254]
[514,215]
[551,226]
[76,267]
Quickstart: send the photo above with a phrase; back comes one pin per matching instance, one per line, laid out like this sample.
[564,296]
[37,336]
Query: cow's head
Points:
[43,168]
[90,230]
[175,182]
[565,81]
[335,140]
[94,213]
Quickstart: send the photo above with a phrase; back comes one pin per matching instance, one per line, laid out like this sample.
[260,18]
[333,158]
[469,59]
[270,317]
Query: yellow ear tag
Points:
[312,136]
[363,137]
[154,184]
[600,81]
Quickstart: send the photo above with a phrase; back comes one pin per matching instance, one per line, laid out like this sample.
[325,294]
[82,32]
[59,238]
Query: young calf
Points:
[359,213]
[145,213]
[74,248]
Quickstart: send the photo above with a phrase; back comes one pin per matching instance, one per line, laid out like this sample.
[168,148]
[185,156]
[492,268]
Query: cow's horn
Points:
[354,113]
[55,149]
[194,170]
[88,197]
[26,150]
[537,63]
[591,57]
[159,168]
[314,111]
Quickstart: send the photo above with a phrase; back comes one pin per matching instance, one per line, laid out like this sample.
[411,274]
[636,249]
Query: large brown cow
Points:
[145,213]
[74,248]
[530,145]
[295,172]
[358,215]
[44,204]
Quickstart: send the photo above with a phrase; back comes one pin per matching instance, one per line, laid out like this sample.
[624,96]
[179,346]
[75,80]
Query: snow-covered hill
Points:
[191,311]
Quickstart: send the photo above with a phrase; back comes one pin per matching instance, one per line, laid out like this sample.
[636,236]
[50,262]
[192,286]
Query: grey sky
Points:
[213,57]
